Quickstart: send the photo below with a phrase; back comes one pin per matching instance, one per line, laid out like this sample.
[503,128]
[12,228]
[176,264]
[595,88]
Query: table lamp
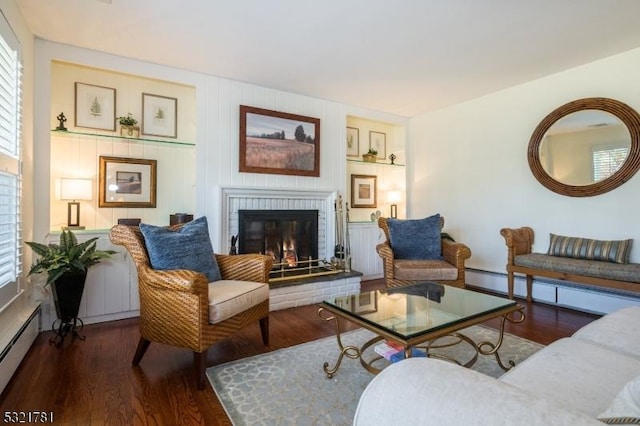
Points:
[394,197]
[74,189]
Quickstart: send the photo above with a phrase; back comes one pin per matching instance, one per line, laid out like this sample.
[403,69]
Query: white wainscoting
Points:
[364,258]
[111,288]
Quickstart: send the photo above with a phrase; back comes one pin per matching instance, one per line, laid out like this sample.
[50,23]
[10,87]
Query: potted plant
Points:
[66,265]
[370,156]
[128,126]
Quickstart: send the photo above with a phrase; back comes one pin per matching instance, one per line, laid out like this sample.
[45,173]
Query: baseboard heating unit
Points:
[16,345]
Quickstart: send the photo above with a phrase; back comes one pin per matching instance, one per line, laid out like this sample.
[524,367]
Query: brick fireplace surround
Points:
[299,292]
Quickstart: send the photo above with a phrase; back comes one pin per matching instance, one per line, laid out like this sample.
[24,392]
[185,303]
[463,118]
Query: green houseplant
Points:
[128,125]
[370,156]
[66,266]
[127,120]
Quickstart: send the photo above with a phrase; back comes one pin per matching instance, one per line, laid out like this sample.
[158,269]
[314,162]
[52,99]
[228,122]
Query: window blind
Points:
[607,161]
[10,170]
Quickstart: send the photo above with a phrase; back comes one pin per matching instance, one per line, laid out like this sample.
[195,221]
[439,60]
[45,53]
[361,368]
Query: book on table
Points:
[394,352]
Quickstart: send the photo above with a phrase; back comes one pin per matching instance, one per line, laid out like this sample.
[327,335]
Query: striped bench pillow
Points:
[616,251]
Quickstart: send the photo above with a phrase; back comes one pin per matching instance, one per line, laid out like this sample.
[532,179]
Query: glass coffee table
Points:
[417,317]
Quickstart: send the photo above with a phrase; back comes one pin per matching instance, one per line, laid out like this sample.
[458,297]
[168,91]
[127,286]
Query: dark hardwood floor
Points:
[92,382]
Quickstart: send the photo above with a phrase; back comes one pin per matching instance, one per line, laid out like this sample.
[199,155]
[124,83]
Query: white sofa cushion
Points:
[585,376]
[428,391]
[230,297]
[616,330]
[626,404]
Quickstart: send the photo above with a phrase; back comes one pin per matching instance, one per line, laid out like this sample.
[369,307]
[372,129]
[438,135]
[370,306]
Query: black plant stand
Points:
[67,294]
[64,327]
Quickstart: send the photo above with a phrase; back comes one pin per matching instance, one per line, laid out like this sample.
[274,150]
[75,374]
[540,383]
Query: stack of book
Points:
[394,352]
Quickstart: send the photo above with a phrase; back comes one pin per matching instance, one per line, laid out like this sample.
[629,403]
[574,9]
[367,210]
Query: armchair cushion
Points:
[228,298]
[416,238]
[187,247]
[428,269]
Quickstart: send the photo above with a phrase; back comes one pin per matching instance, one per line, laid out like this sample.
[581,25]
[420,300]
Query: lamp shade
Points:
[75,189]
[394,196]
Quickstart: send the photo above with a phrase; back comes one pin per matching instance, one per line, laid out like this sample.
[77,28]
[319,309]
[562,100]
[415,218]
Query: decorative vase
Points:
[369,158]
[67,294]
[129,131]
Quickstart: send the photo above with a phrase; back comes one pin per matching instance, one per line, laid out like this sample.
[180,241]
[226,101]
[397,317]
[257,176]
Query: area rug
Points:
[288,386]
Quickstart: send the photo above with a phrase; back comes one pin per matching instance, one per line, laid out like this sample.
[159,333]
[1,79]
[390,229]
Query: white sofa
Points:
[594,374]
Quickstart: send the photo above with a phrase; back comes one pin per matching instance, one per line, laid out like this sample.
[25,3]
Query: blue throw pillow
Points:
[417,239]
[188,247]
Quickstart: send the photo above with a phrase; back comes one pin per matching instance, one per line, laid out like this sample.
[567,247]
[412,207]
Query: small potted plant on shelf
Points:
[66,265]
[128,126]
[370,156]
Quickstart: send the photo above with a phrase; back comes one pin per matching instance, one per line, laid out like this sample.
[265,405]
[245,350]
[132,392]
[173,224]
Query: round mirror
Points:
[586,147]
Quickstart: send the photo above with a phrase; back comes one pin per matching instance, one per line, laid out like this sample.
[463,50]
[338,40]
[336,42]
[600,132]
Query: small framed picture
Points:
[95,107]
[378,141]
[364,303]
[363,191]
[127,182]
[353,142]
[159,116]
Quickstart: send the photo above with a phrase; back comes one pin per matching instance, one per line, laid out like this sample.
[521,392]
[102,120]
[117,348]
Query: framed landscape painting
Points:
[127,182]
[278,142]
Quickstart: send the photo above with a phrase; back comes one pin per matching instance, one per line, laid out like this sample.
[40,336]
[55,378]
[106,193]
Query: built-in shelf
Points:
[376,163]
[117,136]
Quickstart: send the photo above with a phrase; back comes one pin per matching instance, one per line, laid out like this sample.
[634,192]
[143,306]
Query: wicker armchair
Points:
[174,304]
[400,272]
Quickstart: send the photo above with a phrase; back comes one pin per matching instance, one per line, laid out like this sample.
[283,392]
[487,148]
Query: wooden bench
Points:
[597,273]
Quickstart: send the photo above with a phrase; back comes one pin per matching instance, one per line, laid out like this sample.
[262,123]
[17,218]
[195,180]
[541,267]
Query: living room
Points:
[450,153]
[448,171]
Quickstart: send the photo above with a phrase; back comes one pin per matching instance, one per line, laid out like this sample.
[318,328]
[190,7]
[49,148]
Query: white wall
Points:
[471,165]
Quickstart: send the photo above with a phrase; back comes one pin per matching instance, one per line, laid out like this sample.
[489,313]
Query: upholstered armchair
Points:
[400,272]
[182,308]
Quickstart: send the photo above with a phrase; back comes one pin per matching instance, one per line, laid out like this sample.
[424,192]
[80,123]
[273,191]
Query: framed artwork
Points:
[278,142]
[364,303]
[159,116]
[378,141]
[363,191]
[127,182]
[353,142]
[95,107]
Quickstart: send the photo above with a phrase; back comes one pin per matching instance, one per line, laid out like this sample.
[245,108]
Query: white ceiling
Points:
[404,56]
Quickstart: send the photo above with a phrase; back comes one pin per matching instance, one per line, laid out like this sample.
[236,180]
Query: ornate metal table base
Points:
[73,326]
[352,352]
[483,348]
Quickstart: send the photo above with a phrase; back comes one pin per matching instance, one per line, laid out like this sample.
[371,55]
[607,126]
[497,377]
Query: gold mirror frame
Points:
[624,112]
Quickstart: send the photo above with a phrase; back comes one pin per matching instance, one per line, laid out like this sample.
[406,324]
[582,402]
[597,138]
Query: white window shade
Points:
[11,175]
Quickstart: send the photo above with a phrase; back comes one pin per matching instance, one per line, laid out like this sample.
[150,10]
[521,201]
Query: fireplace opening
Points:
[290,237]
